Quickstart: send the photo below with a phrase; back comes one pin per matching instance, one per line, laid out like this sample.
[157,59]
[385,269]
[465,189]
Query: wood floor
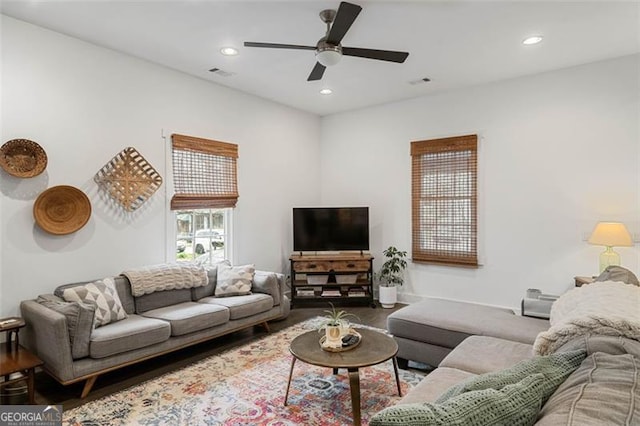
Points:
[50,392]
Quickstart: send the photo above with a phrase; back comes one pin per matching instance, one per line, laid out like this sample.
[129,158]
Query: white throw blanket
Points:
[608,307]
[165,277]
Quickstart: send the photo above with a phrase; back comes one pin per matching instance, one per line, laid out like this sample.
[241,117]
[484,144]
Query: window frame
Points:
[448,191]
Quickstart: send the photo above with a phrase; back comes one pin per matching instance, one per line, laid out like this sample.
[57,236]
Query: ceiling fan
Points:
[329,51]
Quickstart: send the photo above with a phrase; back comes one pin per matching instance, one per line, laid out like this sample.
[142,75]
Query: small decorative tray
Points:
[343,348]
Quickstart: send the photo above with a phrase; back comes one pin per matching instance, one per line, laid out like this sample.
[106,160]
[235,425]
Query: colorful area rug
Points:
[246,386]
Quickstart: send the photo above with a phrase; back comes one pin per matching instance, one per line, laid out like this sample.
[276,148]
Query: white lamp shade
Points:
[328,57]
[611,234]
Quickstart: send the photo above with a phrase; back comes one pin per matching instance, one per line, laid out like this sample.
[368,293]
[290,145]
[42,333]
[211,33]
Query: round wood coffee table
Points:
[373,349]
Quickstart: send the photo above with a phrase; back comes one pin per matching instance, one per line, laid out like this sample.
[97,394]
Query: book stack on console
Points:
[357,292]
[331,292]
[304,291]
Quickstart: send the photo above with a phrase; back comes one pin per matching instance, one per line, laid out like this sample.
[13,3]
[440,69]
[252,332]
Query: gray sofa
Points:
[156,323]
[468,343]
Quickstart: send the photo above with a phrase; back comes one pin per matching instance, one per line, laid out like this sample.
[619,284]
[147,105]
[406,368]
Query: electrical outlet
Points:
[585,236]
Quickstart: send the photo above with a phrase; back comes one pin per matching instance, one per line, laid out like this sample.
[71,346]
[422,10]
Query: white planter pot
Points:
[388,296]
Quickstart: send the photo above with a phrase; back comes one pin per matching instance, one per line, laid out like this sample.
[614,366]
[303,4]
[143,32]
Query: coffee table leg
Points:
[286,395]
[354,385]
[395,370]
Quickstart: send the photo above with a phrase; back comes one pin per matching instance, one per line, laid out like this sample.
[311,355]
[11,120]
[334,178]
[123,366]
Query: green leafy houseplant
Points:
[334,318]
[392,271]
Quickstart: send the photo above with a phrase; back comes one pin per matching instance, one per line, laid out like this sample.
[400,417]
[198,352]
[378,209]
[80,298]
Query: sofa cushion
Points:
[103,295]
[604,390]
[161,299]
[435,384]
[477,354]
[188,317]
[134,332]
[234,280]
[554,369]
[447,323]
[267,283]
[242,306]
[207,290]
[618,273]
[80,317]
[515,404]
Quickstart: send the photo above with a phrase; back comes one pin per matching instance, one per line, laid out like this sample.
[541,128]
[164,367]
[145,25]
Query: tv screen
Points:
[330,228]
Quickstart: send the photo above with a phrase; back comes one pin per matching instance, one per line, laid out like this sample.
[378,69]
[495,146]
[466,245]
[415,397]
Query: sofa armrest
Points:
[46,335]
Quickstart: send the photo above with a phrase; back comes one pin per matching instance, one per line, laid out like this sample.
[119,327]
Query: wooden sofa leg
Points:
[266,327]
[87,386]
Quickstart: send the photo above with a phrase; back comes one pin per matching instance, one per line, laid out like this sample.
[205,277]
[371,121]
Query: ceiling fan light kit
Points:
[328,55]
[328,49]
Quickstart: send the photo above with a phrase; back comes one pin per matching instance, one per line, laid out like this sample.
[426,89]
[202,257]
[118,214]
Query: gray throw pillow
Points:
[234,280]
[80,318]
[618,273]
[103,295]
[516,404]
[267,283]
[554,368]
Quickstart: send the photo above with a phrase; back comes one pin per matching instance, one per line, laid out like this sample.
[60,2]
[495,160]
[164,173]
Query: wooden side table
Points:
[12,325]
[15,359]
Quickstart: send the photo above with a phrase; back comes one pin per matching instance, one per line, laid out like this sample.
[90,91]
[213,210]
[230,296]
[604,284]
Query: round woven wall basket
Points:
[62,210]
[23,158]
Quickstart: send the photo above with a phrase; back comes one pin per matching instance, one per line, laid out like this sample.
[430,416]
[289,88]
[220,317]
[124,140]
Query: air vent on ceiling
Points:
[221,73]
[420,81]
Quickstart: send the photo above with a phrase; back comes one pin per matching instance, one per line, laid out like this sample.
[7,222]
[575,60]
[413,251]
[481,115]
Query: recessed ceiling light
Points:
[532,40]
[326,91]
[229,51]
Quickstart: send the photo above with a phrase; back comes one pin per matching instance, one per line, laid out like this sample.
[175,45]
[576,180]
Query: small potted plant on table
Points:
[391,275]
[333,324]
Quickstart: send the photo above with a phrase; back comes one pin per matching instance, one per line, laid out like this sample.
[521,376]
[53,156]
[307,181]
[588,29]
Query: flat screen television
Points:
[330,228]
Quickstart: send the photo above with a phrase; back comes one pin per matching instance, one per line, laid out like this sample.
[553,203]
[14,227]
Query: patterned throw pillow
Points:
[103,295]
[554,368]
[517,404]
[234,280]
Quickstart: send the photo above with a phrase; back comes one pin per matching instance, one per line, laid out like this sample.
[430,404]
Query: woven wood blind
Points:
[204,173]
[444,200]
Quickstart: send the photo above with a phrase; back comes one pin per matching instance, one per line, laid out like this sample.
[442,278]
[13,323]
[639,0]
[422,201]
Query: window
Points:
[201,235]
[444,200]
[205,183]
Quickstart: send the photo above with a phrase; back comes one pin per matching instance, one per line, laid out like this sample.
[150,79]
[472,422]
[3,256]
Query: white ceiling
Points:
[454,43]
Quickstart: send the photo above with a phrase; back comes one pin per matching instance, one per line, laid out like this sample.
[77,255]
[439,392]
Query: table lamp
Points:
[610,234]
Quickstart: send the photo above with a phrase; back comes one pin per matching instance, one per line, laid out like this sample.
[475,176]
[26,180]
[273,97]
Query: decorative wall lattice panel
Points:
[129,179]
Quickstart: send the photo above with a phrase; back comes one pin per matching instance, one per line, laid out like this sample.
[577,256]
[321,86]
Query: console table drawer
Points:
[350,265]
[311,266]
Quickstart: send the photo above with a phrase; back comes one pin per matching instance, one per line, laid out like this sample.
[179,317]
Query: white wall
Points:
[558,152]
[83,104]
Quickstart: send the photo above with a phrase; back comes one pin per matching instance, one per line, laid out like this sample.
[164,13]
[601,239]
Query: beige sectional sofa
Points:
[468,346]
[74,349]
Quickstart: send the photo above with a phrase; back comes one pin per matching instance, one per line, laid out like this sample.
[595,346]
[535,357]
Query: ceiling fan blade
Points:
[278,46]
[317,72]
[382,55]
[347,13]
